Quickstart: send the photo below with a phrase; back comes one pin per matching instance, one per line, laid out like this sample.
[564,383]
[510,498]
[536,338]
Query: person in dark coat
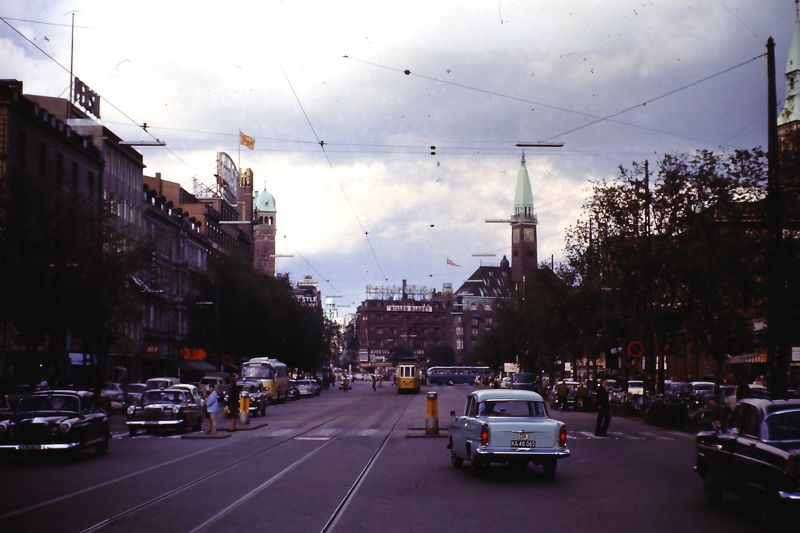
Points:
[603,410]
[233,401]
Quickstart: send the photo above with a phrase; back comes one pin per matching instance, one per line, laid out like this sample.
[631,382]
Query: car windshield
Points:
[677,388]
[511,408]
[259,371]
[159,396]
[703,387]
[136,387]
[55,402]
[784,426]
[522,377]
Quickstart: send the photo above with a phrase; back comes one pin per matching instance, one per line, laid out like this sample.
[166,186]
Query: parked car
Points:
[258,395]
[505,383]
[170,408]
[112,392]
[133,392]
[509,426]
[197,396]
[307,388]
[161,383]
[758,457]
[56,420]
[6,411]
[294,392]
[522,381]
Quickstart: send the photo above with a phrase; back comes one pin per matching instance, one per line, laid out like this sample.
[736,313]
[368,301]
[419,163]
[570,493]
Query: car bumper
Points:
[487,451]
[154,423]
[789,496]
[36,447]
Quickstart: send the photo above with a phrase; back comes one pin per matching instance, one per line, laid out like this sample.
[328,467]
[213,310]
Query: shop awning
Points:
[200,366]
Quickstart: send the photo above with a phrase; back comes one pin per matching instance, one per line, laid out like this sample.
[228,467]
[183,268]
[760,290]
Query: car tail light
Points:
[562,436]
[791,466]
[485,435]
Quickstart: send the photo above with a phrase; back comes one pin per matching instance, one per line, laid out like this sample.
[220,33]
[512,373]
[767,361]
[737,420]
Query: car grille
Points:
[32,434]
[152,412]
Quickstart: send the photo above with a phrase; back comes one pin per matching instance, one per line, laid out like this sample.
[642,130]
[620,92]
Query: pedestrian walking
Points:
[213,407]
[603,410]
[233,401]
[374,382]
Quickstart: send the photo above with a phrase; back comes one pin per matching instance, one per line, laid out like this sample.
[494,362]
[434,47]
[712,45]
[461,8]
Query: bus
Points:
[273,375]
[450,375]
[407,378]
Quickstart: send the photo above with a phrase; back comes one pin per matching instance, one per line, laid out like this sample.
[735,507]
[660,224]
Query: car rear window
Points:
[784,426]
[511,408]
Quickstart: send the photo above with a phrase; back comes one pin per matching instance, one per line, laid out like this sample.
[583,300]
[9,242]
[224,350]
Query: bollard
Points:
[244,407]
[432,414]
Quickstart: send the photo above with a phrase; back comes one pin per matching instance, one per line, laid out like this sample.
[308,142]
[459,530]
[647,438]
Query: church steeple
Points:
[791,106]
[523,197]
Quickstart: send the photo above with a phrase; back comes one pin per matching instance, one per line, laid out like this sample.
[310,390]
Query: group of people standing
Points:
[216,404]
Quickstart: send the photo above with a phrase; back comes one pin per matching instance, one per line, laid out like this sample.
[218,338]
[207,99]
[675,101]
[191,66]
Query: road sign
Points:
[635,349]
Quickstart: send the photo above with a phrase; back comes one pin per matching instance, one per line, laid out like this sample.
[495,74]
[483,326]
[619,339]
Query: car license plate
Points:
[523,444]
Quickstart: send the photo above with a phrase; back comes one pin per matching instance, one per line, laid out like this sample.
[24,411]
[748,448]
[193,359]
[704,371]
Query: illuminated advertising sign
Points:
[227,178]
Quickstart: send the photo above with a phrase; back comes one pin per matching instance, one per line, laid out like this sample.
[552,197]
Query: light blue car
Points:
[507,426]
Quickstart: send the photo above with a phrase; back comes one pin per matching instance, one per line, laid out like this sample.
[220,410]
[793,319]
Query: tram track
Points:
[209,475]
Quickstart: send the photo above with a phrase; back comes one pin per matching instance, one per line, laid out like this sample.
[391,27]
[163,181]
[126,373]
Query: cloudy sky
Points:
[379,82]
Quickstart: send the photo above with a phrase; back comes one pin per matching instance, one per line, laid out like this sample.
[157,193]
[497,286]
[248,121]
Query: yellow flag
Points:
[247,140]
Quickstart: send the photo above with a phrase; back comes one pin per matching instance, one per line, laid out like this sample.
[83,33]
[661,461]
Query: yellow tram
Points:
[407,378]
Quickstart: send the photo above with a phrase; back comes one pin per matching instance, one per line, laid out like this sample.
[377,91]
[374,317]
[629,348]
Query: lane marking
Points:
[312,438]
[367,432]
[654,436]
[104,484]
[280,432]
[249,495]
[588,435]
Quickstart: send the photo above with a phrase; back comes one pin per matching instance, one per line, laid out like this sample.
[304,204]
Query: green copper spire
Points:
[264,201]
[523,198]
[791,106]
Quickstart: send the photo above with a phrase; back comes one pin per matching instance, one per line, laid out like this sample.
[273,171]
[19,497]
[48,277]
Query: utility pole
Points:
[776,345]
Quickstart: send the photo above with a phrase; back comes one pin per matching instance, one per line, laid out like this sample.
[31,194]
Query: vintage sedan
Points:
[171,408]
[507,426]
[758,457]
[56,420]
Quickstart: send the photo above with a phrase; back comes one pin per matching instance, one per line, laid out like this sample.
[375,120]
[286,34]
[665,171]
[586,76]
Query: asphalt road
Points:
[352,461]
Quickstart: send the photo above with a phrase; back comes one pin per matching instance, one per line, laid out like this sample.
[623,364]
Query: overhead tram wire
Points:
[105,99]
[330,164]
[528,101]
[655,99]
[323,278]
[48,23]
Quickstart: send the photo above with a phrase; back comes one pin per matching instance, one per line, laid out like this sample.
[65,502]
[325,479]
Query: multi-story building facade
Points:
[401,322]
[44,166]
[474,305]
[265,220]
[179,255]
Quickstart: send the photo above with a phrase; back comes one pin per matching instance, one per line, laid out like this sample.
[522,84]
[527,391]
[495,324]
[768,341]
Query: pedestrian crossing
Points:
[329,433]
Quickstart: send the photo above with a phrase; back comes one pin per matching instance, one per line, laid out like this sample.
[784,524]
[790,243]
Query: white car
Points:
[193,391]
[507,426]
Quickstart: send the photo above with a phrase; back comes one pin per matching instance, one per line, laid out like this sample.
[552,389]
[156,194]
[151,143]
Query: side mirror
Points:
[452,413]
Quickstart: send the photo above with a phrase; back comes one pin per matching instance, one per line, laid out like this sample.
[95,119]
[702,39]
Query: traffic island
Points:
[245,427]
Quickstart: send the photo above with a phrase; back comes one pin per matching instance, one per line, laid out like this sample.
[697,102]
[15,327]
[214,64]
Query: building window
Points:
[22,147]
[474,332]
[459,332]
[74,176]
[42,159]
[60,170]
[459,344]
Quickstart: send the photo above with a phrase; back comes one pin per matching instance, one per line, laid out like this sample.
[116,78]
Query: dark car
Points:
[169,408]
[133,392]
[258,395]
[294,391]
[56,420]
[6,411]
[522,381]
[758,457]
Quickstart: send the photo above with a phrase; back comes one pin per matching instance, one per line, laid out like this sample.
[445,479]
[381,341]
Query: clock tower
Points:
[524,259]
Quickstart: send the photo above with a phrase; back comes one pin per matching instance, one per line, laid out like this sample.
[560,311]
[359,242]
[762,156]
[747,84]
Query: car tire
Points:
[549,468]
[132,431]
[102,448]
[477,466]
[712,487]
[455,460]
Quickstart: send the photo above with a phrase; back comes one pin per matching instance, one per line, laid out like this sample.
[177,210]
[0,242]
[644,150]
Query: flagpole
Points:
[239,163]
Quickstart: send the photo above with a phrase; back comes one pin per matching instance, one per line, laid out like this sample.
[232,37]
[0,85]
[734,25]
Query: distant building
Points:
[408,321]
[474,305]
[307,293]
[265,222]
